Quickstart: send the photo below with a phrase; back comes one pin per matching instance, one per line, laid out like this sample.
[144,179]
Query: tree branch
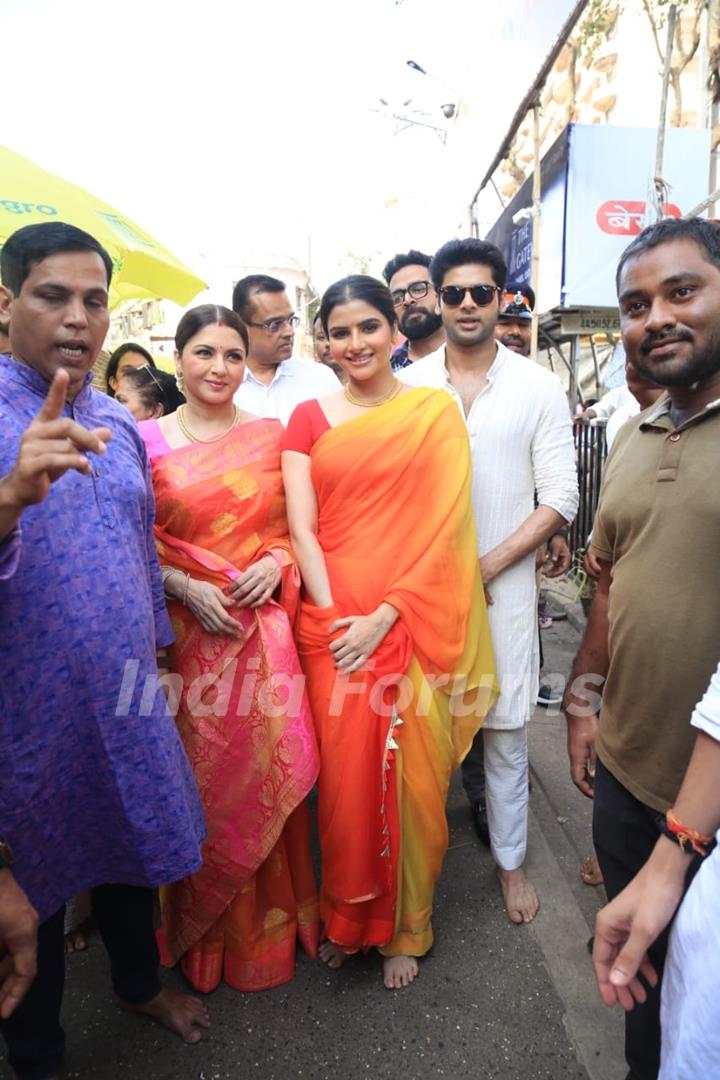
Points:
[686,56]
[654,27]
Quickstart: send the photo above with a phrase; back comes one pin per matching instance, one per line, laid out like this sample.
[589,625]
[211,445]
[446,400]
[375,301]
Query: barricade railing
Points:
[590,454]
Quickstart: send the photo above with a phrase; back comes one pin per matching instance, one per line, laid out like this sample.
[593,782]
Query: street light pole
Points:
[660,185]
[535,261]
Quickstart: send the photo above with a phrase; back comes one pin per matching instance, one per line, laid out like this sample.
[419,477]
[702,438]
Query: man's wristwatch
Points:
[6,855]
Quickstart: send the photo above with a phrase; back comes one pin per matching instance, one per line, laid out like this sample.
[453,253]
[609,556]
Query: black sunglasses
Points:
[482,295]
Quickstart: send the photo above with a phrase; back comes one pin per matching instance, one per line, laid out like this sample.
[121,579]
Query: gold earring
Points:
[179,381]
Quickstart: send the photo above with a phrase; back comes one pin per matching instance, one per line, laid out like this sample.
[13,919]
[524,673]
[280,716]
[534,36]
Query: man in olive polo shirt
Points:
[653,635]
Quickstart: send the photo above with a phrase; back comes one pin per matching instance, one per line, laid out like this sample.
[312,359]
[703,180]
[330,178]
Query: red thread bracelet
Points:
[699,842]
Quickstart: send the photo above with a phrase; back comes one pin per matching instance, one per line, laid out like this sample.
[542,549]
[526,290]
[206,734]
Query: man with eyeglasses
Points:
[275,381]
[416,303]
[521,438]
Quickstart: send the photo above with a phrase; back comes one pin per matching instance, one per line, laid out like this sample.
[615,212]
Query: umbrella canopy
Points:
[142,268]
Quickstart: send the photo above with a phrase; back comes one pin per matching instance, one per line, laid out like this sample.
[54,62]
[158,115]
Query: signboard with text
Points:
[609,188]
[512,232]
[591,321]
[596,186]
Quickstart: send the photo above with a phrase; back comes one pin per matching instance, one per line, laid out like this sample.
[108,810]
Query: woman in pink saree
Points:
[233,589]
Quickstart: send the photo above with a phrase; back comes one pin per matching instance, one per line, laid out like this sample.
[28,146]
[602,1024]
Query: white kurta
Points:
[522,444]
[691,987]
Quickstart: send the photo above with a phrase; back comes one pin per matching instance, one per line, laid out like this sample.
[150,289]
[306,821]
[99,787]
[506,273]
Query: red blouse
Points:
[305,426]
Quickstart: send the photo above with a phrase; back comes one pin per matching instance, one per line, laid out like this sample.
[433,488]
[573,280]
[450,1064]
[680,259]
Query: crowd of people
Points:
[220,589]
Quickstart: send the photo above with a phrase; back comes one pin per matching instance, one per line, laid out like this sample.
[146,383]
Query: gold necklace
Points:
[392,393]
[182,424]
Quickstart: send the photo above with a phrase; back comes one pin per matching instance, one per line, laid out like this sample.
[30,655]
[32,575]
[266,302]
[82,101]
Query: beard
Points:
[668,370]
[417,323]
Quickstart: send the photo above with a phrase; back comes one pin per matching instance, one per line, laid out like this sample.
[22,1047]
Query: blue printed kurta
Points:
[95,787]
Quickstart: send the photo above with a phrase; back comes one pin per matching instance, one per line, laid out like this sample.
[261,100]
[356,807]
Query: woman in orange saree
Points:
[393,633]
[233,589]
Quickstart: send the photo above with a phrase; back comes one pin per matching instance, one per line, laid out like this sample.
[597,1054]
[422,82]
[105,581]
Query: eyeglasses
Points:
[146,368]
[482,295]
[274,326]
[415,290]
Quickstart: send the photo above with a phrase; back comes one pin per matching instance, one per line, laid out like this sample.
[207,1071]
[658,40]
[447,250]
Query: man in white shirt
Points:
[275,382]
[521,438]
[621,404]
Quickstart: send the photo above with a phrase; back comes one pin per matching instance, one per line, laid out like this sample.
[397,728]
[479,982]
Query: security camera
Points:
[448,110]
[522,215]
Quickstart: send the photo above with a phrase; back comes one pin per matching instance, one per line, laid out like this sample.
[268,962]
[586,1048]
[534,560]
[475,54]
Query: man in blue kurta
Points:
[95,789]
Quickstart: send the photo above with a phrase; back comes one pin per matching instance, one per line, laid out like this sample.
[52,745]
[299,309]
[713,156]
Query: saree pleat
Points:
[395,524]
[244,719]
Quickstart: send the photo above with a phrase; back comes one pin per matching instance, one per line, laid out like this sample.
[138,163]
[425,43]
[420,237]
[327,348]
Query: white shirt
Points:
[691,1034]
[294,381]
[706,716]
[522,443]
[628,407]
[614,399]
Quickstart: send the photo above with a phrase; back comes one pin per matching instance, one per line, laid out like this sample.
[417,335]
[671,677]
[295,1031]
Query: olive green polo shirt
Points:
[658,523]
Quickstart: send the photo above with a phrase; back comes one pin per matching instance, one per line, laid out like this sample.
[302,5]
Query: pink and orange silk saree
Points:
[243,717]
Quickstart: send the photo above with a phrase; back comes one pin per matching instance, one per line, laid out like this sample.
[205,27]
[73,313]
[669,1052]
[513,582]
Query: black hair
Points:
[399,262]
[464,252]
[706,235]
[316,318]
[30,245]
[246,288]
[114,362]
[358,287]
[155,388]
[204,315]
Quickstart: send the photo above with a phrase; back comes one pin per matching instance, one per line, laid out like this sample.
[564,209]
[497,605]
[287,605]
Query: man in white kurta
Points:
[522,447]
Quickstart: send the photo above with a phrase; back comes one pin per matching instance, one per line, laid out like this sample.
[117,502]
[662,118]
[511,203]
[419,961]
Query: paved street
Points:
[493,1000]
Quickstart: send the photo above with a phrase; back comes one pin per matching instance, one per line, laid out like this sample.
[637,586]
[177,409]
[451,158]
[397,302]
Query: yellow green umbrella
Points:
[143,269]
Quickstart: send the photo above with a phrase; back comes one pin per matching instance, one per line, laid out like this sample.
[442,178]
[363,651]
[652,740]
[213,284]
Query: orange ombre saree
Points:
[243,717]
[395,524]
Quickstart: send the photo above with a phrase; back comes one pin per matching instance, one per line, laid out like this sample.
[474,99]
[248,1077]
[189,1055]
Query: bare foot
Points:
[590,871]
[75,942]
[521,902]
[332,955]
[399,971]
[176,1011]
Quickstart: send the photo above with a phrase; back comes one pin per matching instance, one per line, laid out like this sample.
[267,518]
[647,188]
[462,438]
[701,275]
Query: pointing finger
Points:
[55,401]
